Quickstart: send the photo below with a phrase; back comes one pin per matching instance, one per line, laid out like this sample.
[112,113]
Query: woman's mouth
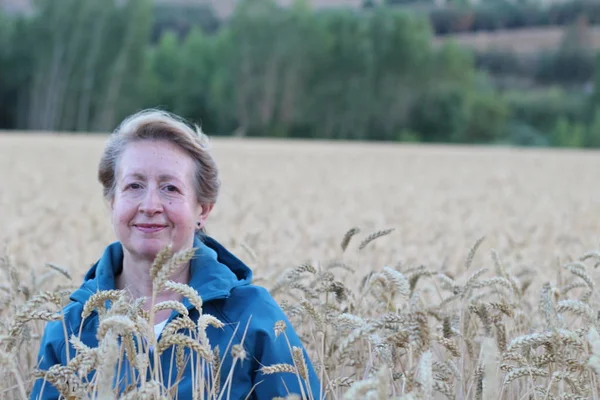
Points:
[149,228]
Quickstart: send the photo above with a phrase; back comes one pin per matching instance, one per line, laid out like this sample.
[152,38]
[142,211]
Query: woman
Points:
[161,184]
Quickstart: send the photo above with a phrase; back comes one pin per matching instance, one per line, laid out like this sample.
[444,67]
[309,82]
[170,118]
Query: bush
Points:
[592,138]
[455,114]
[541,109]
[440,114]
[521,134]
[568,134]
[566,66]
[501,62]
[488,117]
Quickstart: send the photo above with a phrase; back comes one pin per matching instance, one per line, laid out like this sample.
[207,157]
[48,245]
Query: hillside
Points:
[524,40]
[223,8]
[15,6]
[529,40]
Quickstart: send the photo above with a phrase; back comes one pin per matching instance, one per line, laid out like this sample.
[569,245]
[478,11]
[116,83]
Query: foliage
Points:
[567,134]
[541,109]
[462,116]
[592,138]
[504,62]
[566,66]
[182,18]
[574,61]
[522,134]
[77,63]
[283,72]
[7,107]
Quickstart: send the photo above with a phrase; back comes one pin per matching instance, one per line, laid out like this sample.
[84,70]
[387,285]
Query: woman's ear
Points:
[204,211]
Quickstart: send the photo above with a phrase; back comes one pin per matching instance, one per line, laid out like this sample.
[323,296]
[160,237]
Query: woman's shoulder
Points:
[69,322]
[251,301]
[253,295]
[251,292]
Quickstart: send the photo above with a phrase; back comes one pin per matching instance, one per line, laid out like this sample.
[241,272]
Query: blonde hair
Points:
[161,125]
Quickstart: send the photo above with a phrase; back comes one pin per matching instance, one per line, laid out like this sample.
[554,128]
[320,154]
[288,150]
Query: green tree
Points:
[596,97]
[574,61]
[592,138]
[163,71]
[541,108]
[252,62]
[441,114]
[7,73]
[453,63]
[124,71]
[401,67]
[339,82]
[568,134]
[488,119]
[193,84]
[447,109]
[262,67]
[80,62]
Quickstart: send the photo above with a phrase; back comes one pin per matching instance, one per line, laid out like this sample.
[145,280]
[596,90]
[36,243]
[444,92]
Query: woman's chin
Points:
[149,251]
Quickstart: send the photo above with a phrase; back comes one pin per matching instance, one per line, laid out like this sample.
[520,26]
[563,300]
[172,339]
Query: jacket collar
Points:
[214,271]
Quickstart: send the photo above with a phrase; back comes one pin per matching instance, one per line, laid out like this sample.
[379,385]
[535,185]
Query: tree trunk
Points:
[243,95]
[108,112]
[287,111]
[267,108]
[89,77]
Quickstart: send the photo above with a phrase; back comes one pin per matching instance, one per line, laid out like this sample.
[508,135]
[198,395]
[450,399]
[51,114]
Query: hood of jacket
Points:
[214,272]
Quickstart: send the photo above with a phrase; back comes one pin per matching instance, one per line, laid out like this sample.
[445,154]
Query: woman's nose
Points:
[151,203]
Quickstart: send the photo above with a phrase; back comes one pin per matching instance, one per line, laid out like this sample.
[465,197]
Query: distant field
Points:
[406,316]
[528,40]
[223,8]
[291,201]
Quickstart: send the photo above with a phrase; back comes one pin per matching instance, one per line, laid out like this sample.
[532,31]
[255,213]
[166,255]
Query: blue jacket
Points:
[223,282]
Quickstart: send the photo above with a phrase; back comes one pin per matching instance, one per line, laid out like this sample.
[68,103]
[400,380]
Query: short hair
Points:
[153,125]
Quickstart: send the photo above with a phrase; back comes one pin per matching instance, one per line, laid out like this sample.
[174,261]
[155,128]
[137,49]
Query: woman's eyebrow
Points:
[162,177]
[136,175]
[168,177]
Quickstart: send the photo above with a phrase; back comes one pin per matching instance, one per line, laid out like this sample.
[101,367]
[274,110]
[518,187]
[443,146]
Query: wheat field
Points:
[481,284]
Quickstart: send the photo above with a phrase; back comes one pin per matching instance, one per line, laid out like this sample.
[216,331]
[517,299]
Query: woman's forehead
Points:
[160,160]
[154,148]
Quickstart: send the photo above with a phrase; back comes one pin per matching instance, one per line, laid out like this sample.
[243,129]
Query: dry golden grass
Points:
[425,310]
[287,202]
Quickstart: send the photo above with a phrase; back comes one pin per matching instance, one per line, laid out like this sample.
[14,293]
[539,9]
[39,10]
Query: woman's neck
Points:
[135,279]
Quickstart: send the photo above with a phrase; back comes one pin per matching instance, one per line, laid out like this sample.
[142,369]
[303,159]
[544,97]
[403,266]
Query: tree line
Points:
[267,71]
[495,15]
[456,16]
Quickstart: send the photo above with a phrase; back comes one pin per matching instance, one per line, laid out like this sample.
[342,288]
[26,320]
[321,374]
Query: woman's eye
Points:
[171,188]
[134,186]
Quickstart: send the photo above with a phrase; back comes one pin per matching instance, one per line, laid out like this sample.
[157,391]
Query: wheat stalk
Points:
[347,237]
[373,236]
[472,252]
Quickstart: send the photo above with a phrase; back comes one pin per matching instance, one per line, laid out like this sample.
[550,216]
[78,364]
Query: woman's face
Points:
[155,200]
